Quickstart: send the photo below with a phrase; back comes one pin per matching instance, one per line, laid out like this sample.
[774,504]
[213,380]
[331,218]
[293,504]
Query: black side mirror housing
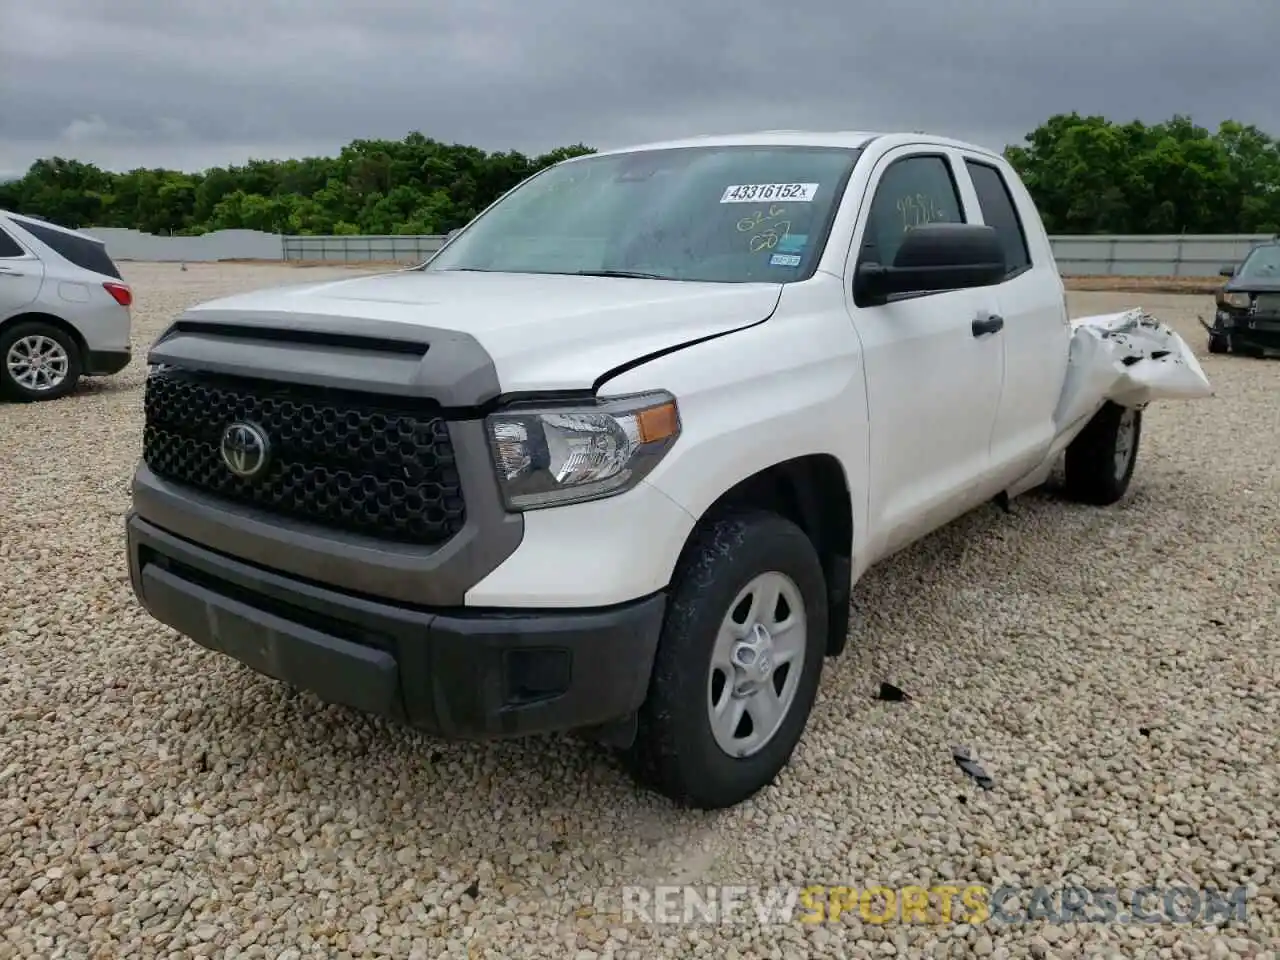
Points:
[935,257]
[1228,270]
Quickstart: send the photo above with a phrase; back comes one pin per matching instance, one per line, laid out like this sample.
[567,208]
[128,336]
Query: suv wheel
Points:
[1101,459]
[38,361]
[738,663]
[1218,343]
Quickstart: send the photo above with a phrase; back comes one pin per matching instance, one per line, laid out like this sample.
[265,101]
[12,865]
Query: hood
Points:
[1253,285]
[542,332]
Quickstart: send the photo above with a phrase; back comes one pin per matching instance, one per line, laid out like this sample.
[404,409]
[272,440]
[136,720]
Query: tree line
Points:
[1086,173]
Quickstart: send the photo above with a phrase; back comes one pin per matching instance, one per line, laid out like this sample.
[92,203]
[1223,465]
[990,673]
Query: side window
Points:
[912,191]
[999,211]
[9,247]
[84,252]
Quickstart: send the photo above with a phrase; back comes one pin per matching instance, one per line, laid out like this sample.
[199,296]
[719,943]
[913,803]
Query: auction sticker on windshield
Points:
[753,192]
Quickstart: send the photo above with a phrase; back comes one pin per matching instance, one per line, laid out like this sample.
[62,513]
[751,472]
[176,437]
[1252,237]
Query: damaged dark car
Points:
[1247,319]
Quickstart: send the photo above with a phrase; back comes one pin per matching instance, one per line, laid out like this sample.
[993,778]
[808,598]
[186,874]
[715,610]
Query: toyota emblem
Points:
[245,449]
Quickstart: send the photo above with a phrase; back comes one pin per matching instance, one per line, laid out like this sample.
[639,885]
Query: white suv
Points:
[64,309]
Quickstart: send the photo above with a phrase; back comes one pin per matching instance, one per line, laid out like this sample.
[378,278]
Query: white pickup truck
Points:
[612,459]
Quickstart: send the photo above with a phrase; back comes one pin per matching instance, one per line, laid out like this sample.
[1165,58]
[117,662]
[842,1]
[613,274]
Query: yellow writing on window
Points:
[769,238]
[760,218]
[770,228]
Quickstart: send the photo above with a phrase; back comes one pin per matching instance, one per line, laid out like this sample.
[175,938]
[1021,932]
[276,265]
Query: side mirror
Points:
[933,258]
[1227,271]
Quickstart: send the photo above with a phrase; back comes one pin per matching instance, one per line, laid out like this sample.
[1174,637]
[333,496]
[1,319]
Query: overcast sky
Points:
[195,83]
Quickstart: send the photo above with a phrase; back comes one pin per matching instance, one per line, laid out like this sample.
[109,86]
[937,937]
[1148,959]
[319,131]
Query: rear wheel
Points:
[738,663]
[1100,461]
[38,361]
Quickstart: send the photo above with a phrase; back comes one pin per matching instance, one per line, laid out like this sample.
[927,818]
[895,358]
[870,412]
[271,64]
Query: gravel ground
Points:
[1114,670]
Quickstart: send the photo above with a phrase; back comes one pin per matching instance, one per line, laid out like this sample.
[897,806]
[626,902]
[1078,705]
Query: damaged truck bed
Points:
[1129,358]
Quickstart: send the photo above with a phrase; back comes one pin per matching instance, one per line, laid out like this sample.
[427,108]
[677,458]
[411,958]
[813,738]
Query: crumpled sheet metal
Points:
[1129,358]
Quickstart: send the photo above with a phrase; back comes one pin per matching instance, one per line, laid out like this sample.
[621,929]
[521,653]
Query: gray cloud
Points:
[185,84]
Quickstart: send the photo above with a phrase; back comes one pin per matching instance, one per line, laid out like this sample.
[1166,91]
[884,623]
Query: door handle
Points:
[991,323]
[6,272]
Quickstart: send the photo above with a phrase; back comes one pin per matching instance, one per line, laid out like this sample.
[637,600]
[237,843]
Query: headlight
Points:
[1237,300]
[548,455]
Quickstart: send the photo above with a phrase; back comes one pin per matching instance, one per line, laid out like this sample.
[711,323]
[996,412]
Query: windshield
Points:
[722,214]
[1263,263]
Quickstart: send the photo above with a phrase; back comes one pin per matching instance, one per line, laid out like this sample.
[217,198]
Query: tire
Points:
[60,354]
[1218,343]
[677,752]
[1100,462]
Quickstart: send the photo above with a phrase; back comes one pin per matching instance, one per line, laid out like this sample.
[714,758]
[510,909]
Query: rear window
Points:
[1000,213]
[84,253]
[8,246]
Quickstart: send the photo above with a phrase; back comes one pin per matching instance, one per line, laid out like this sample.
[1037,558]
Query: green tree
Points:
[1092,175]
[414,185]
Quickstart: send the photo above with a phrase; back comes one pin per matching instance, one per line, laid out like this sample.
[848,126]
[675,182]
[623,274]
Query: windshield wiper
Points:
[631,274]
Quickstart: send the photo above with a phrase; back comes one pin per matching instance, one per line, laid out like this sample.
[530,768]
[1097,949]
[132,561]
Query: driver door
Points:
[933,381]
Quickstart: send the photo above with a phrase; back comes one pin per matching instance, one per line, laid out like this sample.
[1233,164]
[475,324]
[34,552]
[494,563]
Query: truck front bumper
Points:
[1246,333]
[458,673]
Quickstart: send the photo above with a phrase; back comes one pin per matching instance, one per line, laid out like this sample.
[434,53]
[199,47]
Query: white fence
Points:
[125,244]
[1188,255]
[349,249]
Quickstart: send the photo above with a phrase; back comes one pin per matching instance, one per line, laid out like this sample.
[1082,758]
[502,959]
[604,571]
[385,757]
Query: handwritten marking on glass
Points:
[771,228]
[749,223]
[918,209]
[769,238]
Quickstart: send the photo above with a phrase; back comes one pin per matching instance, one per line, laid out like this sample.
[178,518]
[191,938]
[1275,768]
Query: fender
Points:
[772,393]
[667,351]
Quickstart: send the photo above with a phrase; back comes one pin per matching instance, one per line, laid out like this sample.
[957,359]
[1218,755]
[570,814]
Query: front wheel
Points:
[1101,459]
[738,662]
[1218,343]
[38,361]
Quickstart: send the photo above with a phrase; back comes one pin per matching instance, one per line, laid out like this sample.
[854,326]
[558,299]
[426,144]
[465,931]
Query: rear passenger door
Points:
[1036,333]
[21,274]
[933,386]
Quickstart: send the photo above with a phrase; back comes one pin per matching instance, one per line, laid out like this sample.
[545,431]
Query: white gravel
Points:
[1115,671]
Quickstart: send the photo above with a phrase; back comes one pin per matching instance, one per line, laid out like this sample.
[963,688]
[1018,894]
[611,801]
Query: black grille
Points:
[348,462]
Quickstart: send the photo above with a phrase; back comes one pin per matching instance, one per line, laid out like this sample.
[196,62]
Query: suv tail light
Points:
[122,294]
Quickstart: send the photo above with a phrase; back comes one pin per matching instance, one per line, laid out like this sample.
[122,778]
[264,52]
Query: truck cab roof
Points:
[850,139]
